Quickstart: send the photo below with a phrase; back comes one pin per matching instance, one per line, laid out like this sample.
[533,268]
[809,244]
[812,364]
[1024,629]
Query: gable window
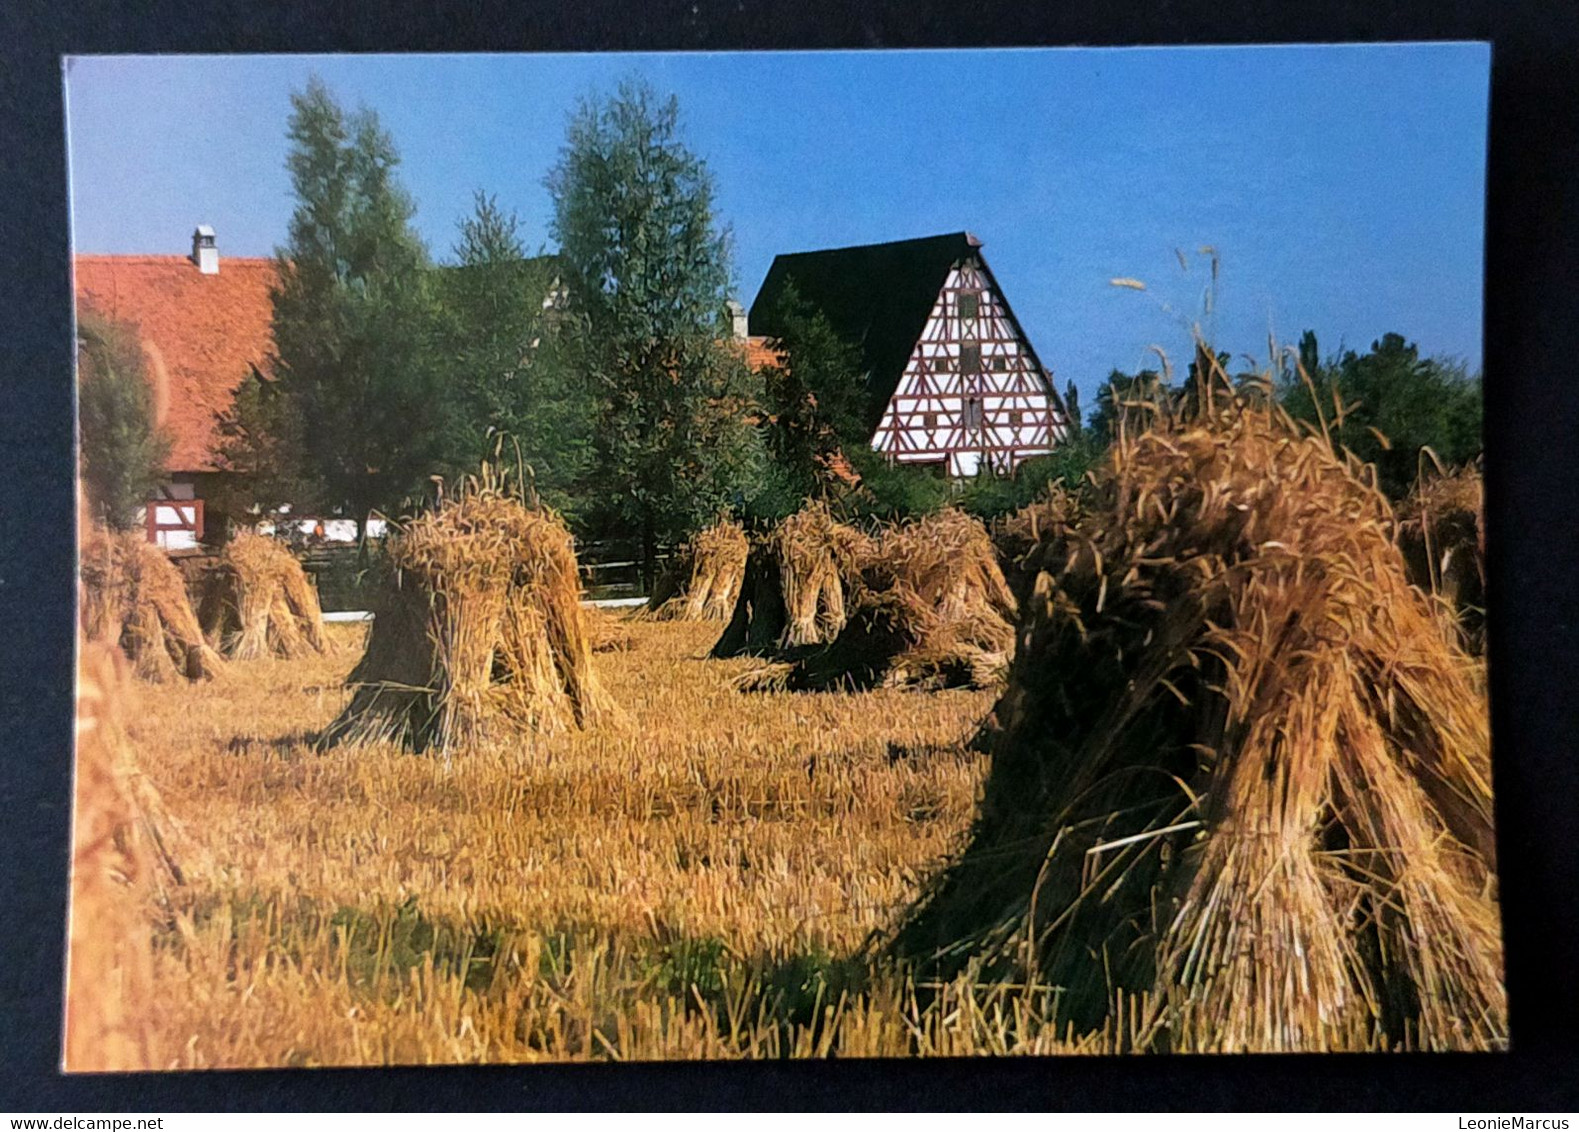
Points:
[1000,363]
[942,363]
[1014,418]
[973,413]
[969,304]
[970,357]
[929,421]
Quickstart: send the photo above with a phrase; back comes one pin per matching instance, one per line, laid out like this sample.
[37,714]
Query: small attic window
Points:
[969,304]
[970,357]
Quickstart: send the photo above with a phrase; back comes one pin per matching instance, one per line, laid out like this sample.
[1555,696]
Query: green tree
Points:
[1134,399]
[507,371]
[892,490]
[1393,403]
[260,445]
[817,406]
[814,397]
[989,496]
[648,270]
[1076,423]
[353,316]
[122,450]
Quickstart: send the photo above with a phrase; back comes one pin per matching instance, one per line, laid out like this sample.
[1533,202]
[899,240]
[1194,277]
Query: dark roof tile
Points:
[875,296]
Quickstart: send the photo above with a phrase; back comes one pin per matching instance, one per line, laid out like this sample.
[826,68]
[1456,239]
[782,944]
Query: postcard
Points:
[780,555]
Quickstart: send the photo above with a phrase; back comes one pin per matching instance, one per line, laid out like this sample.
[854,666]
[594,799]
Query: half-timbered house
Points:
[952,380]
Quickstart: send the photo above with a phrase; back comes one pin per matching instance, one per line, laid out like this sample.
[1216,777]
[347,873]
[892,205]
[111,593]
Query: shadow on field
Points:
[290,746]
[922,753]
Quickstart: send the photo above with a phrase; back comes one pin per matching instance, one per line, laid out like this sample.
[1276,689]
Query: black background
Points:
[1532,429]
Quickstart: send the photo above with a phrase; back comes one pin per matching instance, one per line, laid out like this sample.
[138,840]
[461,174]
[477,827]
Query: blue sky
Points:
[1342,187]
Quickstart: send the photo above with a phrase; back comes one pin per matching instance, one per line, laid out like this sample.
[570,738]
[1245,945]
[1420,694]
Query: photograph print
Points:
[630,557]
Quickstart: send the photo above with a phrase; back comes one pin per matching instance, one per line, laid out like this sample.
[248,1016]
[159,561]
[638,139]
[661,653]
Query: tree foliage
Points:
[648,271]
[1130,400]
[816,392]
[891,490]
[353,364]
[989,496]
[508,374]
[817,433]
[121,448]
[261,445]
[1387,404]
[814,397]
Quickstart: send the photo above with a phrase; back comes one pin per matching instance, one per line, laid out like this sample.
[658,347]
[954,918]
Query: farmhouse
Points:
[204,328]
[952,380]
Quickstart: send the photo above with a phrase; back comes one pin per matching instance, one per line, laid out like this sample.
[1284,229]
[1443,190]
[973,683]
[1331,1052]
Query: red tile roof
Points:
[760,355]
[201,335]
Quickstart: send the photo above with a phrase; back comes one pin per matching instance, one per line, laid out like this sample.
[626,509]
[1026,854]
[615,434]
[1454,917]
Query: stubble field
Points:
[697,880]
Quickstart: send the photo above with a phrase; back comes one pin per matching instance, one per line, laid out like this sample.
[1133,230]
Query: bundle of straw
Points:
[797,581]
[258,602]
[1044,520]
[1241,791]
[1442,533]
[818,558]
[704,583]
[119,863]
[134,597]
[931,609]
[479,633]
[757,625]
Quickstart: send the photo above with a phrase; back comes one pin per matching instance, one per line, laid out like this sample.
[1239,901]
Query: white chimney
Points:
[737,319]
[204,253]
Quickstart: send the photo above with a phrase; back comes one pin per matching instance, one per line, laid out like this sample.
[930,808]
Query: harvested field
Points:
[368,906]
[703,881]
[1237,799]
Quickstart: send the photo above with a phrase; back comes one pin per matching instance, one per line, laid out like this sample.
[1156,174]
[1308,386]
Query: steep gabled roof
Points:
[201,334]
[876,297]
